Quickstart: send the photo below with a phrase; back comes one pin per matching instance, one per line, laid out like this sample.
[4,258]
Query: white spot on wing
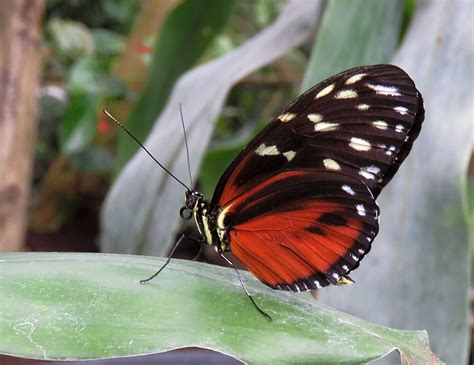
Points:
[346,94]
[290,155]
[401,109]
[366,174]
[385,90]
[373,169]
[369,172]
[325,91]
[391,150]
[348,190]
[354,257]
[331,164]
[315,118]
[345,267]
[263,150]
[335,275]
[399,128]
[359,144]
[354,78]
[318,285]
[326,127]
[380,124]
[363,106]
[361,210]
[361,251]
[286,117]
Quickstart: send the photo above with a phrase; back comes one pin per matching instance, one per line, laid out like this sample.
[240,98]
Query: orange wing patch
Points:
[301,249]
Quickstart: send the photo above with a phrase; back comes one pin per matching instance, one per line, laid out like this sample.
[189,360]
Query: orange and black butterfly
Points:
[297,205]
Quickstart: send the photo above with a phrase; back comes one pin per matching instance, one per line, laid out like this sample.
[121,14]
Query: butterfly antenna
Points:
[245,289]
[144,148]
[186,143]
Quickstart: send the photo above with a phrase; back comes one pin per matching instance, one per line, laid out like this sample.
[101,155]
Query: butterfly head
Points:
[192,201]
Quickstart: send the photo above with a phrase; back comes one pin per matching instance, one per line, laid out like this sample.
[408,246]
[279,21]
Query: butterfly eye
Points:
[185,213]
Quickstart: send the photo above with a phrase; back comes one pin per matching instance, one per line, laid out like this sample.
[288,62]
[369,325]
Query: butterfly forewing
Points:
[361,122]
[298,203]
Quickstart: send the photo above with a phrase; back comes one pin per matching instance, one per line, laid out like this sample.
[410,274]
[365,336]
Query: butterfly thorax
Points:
[205,219]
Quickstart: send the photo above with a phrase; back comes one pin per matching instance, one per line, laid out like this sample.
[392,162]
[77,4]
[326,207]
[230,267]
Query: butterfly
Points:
[297,206]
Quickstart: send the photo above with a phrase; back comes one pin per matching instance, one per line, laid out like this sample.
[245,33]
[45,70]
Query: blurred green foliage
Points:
[185,35]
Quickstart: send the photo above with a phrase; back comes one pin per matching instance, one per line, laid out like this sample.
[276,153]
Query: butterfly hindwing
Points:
[302,229]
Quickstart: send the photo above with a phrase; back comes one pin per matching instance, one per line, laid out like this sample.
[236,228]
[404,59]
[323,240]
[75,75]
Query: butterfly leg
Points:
[178,242]
[167,261]
[243,286]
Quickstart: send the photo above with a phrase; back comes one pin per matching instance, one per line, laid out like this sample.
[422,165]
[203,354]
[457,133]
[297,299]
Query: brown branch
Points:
[20,60]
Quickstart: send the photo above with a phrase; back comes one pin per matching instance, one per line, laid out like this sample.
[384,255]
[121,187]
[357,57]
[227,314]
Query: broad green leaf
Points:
[140,213]
[354,33]
[91,306]
[185,35]
[418,268]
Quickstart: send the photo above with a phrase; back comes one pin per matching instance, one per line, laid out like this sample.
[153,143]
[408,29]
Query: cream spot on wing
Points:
[385,90]
[326,127]
[286,117]
[348,189]
[263,150]
[359,144]
[331,164]
[380,124]
[361,210]
[325,91]
[401,109]
[221,217]
[315,118]
[354,78]
[290,155]
[346,94]
[363,106]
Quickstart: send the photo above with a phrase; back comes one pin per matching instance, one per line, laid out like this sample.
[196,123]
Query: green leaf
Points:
[72,40]
[90,306]
[185,35]
[213,166]
[354,33]
[80,118]
[107,43]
